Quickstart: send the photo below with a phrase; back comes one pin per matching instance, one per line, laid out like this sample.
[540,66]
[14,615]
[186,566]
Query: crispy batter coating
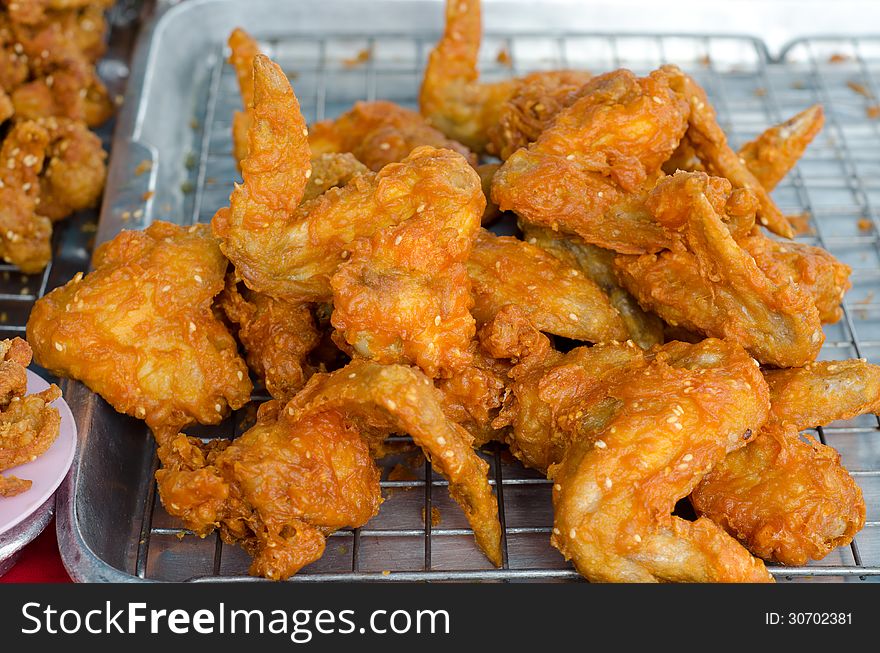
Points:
[278,490]
[587,174]
[662,423]
[557,298]
[643,328]
[385,399]
[710,145]
[28,424]
[140,330]
[6,108]
[75,170]
[379,133]
[24,235]
[277,336]
[332,170]
[472,112]
[813,269]
[403,296]
[788,498]
[290,251]
[770,156]
[713,286]
[535,103]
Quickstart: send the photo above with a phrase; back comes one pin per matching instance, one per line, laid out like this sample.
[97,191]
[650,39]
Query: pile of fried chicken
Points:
[353,271]
[50,95]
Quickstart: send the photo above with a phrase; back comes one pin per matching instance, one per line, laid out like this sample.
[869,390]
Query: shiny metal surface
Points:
[172,160]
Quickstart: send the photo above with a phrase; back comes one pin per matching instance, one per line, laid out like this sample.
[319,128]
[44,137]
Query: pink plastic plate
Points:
[46,472]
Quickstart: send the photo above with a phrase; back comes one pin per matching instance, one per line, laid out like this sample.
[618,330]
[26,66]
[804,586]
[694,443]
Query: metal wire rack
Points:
[420,534]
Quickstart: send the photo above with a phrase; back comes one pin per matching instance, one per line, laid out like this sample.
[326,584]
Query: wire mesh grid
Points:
[420,534]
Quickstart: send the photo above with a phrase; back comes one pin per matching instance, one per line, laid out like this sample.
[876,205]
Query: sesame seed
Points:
[420,208]
[556,531]
[572,534]
[198,278]
[570,157]
[240,375]
[436,320]
[441,441]
[352,375]
[573,317]
[192,327]
[678,427]
[672,420]
[613,429]
[608,483]
[683,466]
[290,411]
[218,408]
[398,240]
[59,346]
[392,405]
[656,99]
[385,146]
[308,173]
[832,368]
[688,457]
[637,537]
[305,132]
[599,194]
[319,181]
[600,444]
[557,487]
[448,453]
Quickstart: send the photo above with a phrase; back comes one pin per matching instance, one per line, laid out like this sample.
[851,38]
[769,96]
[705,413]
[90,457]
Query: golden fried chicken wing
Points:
[403,295]
[278,490]
[140,330]
[472,112]
[277,336]
[588,173]
[75,170]
[24,235]
[785,497]
[813,269]
[770,156]
[713,286]
[379,133]
[558,298]
[290,251]
[648,434]
[710,145]
[385,399]
[643,328]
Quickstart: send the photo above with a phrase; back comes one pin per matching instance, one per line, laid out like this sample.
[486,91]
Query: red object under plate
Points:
[40,561]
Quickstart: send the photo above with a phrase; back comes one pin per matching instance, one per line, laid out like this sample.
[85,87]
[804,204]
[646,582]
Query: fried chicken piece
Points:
[789,499]
[140,330]
[556,297]
[774,153]
[28,427]
[643,328]
[278,490]
[710,145]
[662,424]
[290,251]
[379,133]
[403,296]
[277,336]
[385,399]
[61,80]
[813,269]
[31,12]
[24,235]
[532,108]
[73,177]
[589,172]
[28,424]
[472,112]
[713,286]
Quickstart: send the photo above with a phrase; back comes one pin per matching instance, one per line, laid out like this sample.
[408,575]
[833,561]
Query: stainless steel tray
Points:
[111,525]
